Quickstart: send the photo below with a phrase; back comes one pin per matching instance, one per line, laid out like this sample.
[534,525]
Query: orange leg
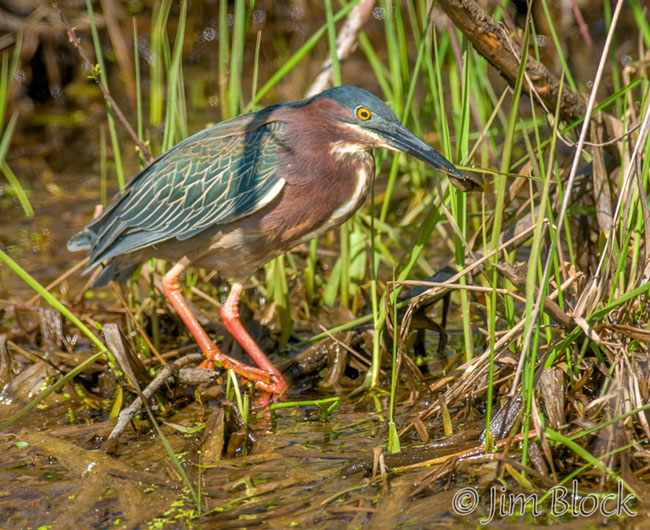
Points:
[263,379]
[230,317]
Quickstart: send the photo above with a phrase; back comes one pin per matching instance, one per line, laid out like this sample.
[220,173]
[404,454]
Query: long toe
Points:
[267,381]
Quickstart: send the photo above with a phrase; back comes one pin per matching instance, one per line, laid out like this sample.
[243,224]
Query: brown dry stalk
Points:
[107,95]
[346,43]
[492,41]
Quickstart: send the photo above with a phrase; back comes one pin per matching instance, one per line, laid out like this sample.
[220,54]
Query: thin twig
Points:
[58,280]
[458,286]
[142,332]
[567,195]
[627,182]
[107,95]
[343,345]
[127,414]
[435,291]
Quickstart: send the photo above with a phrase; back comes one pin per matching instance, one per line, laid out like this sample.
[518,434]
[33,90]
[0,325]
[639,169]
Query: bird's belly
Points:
[237,253]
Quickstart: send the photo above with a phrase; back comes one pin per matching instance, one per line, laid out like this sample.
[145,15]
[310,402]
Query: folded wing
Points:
[217,176]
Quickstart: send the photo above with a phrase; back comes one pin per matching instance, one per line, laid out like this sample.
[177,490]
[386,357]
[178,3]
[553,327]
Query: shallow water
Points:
[291,470]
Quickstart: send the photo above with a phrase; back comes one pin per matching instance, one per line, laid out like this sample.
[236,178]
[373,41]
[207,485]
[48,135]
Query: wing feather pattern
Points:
[217,176]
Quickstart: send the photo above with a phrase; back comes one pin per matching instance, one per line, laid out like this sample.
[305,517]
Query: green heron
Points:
[244,191]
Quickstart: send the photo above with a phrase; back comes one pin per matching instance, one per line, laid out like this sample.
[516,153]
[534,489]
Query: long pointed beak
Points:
[399,138]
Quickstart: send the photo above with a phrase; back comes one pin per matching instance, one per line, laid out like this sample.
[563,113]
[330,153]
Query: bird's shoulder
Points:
[235,141]
[221,161]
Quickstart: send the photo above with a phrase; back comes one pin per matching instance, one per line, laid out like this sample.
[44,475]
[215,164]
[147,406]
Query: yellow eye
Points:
[363,113]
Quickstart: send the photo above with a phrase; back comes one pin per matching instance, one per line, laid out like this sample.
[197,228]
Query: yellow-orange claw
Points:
[207,364]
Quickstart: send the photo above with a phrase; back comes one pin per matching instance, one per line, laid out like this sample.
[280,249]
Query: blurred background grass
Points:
[175,68]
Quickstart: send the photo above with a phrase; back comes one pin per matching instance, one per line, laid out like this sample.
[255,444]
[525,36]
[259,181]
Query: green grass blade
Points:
[298,56]
[13,181]
[237,58]
[17,188]
[117,156]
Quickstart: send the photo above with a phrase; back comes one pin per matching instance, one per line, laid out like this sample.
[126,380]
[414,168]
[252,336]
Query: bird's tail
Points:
[116,269]
[81,241]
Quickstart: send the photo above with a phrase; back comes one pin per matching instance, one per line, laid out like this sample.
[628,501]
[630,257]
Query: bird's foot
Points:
[267,381]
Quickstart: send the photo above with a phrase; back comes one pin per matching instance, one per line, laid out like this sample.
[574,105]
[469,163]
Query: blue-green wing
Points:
[215,177]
